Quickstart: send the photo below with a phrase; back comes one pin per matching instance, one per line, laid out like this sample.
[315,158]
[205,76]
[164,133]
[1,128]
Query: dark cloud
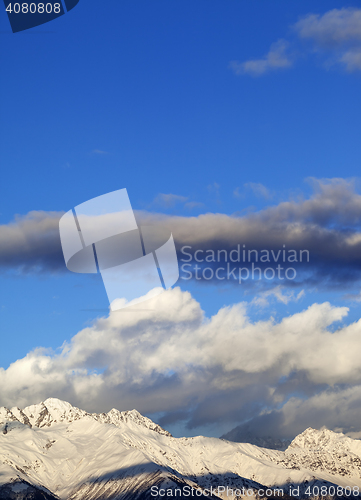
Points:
[327,225]
[260,427]
[31,243]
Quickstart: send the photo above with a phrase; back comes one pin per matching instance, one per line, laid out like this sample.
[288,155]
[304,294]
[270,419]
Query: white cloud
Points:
[335,35]
[169,200]
[332,29]
[99,152]
[351,60]
[279,294]
[337,408]
[174,358]
[259,190]
[194,204]
[214,188]
[276,58]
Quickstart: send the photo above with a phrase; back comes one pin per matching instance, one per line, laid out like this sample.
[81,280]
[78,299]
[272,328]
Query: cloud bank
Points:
[278,377]
[327,224]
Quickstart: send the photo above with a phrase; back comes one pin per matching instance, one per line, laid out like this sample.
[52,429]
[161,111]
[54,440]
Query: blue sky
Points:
[156,97]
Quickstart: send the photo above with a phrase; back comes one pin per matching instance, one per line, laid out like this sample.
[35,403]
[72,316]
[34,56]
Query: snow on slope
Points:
[75,455]
[326,451]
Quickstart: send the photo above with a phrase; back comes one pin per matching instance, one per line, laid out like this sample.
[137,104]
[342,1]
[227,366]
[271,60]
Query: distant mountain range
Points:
[241,435]
[53,450]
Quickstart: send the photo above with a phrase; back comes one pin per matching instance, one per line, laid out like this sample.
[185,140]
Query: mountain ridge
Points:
[52,411]
[54,450]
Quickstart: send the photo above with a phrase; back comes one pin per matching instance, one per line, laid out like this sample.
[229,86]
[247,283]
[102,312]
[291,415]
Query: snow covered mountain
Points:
[56,451]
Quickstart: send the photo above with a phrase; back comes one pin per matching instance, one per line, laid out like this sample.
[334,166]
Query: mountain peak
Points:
[317,439]
[117,417]
[57,403]
[54,411]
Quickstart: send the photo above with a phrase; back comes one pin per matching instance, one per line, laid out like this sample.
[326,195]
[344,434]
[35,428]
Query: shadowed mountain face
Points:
[18,489]
[53,450]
